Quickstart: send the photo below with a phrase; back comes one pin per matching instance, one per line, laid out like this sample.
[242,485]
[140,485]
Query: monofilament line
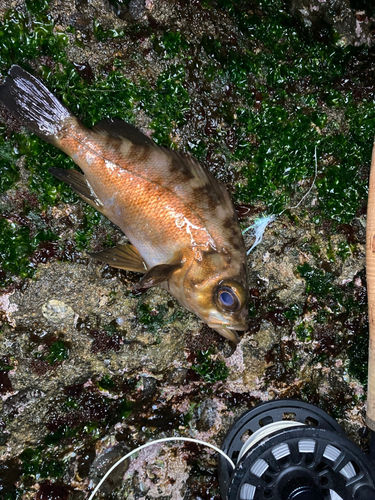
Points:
[309,191]
[151,443]
[260,224]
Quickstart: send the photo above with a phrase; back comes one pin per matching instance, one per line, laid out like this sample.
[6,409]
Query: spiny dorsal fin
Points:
[119,129]
[80,185]
[184,164]
[203,178]
[157,275]
[122,257]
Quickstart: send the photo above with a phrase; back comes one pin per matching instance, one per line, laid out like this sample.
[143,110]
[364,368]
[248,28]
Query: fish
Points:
[181,223]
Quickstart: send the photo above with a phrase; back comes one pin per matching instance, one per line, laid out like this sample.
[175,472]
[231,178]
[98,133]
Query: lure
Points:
[258,228]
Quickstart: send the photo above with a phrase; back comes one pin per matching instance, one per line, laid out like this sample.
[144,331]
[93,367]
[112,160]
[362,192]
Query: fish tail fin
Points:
[33,104]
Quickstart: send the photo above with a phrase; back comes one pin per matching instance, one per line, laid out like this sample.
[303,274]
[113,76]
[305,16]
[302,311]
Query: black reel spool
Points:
[298,453]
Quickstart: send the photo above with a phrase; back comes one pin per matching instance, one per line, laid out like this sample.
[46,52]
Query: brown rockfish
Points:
[179,219]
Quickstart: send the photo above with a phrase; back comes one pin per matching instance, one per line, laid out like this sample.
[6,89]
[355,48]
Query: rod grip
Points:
[370,272]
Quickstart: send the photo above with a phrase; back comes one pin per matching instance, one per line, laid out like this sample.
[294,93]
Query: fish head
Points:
[215,289]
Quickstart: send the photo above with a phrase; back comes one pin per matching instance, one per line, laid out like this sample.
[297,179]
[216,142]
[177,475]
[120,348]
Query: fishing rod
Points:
[370,273]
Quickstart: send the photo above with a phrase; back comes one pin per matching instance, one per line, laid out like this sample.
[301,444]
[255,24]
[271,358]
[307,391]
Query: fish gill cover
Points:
[250,89]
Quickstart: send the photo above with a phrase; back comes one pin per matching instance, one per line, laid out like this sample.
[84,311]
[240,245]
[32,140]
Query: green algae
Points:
[211,370]
[71,402]
[188,416]
[293,312]
[17,245]
[5,366]
[170,44]
[90,220]
[36,6]
[155,318]
[102,34]
[37,462]
[55,353]
[345,250]
[24,37]
[58,352]
[166,103]
[15,248]
[150,317]
[106,382]
[9,155]
[9,175]
[277,139]
[318,282]
[62,432]
[125,409]
[65,433]
[40,157]
[304,332]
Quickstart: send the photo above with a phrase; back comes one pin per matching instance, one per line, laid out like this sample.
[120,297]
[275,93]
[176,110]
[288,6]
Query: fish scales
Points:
[131,191]
[178,217]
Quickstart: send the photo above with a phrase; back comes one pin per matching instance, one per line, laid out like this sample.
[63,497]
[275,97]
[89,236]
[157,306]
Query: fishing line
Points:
[260,224]
[266,431]
[250,443]
[151,443]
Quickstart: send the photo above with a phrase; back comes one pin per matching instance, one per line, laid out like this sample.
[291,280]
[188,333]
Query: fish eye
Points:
[226,298]
[229,296]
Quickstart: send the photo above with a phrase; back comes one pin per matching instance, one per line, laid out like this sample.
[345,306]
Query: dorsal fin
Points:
[203,178]
[181,173]
[119,129]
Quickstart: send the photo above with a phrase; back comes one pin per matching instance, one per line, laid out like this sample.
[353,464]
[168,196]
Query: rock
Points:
[103,462]
[207,415]
[137,8]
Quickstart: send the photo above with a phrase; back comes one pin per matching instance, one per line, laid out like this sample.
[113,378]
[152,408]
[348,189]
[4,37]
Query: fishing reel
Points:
[291,450]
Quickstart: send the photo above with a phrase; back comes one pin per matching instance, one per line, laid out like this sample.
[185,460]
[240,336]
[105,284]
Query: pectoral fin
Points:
[122,257]
[80,185]
[157,275]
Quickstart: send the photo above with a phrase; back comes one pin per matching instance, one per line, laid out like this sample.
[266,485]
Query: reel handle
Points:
[370,272]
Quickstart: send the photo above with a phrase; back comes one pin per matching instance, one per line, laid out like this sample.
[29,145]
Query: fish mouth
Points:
[226,328]
[229,333]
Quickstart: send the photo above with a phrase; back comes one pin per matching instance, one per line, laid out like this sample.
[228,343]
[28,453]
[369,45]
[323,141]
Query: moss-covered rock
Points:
[276,99]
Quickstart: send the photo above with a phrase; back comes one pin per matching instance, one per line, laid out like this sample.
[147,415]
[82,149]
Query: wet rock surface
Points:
[89,369]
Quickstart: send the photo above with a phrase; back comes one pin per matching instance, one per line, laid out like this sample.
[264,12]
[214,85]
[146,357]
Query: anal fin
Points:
[122,257]
[80,185]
